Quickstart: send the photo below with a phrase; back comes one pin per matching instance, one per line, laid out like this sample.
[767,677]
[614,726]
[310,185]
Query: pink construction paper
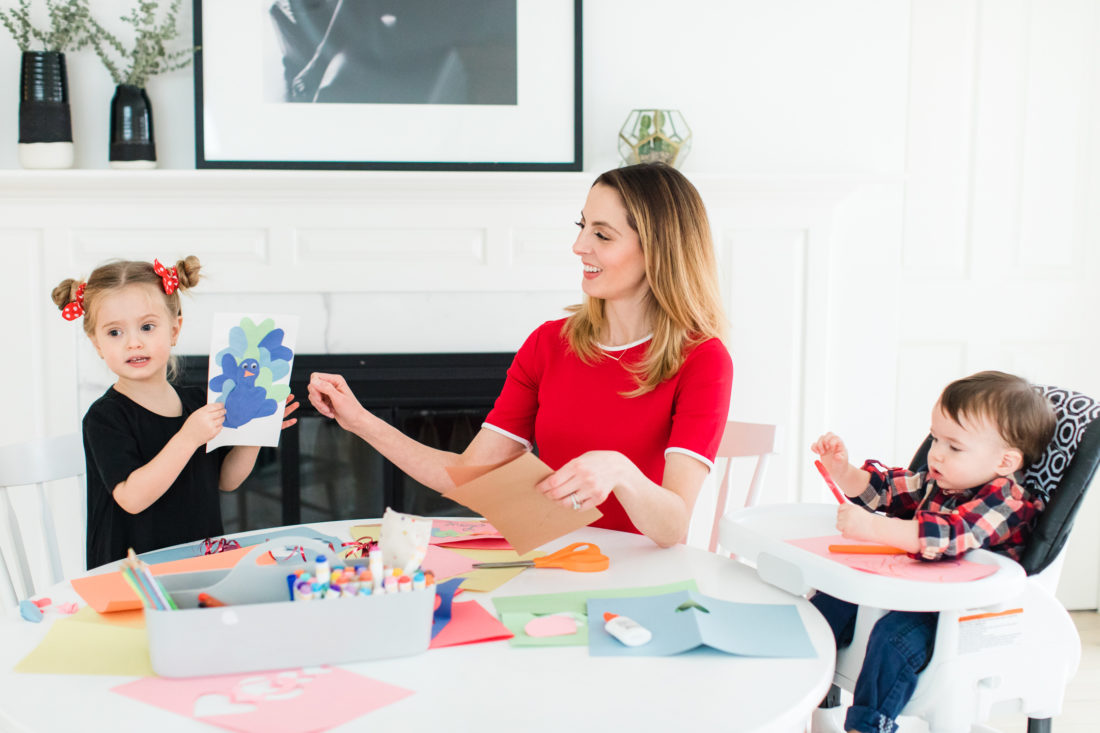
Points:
[470,623]
[446,564]
[290,701]
[898,566]
[552,625]
[478,543]
[448,531]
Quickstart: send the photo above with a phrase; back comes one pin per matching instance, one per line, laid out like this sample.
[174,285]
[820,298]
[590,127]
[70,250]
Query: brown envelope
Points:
[507,498]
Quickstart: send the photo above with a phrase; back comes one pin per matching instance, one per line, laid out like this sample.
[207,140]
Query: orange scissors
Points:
[580,557]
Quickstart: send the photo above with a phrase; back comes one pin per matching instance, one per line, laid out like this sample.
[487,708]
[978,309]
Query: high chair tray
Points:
[260,628]
[758,535]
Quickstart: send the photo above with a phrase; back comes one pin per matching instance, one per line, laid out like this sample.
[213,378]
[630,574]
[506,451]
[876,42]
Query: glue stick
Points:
[626,630]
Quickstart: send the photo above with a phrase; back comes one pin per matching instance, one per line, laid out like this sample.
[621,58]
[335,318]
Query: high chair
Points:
[1004,643]
[34,464]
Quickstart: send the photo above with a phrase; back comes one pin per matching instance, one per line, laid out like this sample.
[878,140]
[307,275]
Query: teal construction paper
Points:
[745,629]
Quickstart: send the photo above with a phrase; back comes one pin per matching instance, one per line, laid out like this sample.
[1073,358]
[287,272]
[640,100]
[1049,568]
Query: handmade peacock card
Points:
[250,360]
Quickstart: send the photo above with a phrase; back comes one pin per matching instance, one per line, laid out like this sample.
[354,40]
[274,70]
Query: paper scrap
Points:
[555,624]
[289,701]
[506,496]
[947,570]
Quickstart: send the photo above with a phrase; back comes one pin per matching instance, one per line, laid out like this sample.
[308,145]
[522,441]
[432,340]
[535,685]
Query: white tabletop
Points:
[494,687]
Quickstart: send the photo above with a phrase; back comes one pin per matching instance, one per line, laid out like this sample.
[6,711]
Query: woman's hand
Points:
[290,407]
[203,424]
[585,481]
[332,397]
[834,454]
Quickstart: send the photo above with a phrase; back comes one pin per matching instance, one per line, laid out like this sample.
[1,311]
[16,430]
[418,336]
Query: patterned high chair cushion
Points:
[1074,411]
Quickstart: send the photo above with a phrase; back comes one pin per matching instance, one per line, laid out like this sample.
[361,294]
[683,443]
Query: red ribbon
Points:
[213,547]
[75,309]
[360,548]
[168,275]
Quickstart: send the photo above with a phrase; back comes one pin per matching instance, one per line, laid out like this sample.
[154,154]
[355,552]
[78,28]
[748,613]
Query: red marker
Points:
[829,480]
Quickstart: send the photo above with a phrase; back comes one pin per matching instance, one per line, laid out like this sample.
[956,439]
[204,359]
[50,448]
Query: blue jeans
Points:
[899,647]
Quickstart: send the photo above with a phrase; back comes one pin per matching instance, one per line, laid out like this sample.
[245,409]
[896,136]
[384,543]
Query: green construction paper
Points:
[516,611]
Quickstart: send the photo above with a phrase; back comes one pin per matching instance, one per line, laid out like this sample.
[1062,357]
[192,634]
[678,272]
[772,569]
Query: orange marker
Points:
[208,601]
[867,550]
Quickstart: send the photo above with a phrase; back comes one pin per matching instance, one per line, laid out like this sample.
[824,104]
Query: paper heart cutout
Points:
[552,625]
[213,703]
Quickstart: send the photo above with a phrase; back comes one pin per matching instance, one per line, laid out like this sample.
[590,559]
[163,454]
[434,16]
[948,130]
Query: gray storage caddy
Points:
[260,628]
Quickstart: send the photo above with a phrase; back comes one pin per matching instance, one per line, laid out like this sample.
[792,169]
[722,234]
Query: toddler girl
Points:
[151,482]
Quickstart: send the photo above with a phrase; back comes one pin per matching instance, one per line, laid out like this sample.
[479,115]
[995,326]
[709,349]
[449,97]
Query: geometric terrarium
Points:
[654,136]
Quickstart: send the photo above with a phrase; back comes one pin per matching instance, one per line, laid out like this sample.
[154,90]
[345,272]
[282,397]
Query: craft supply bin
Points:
[261,629]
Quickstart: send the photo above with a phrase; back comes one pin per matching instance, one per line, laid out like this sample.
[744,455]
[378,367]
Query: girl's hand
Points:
[855,522]
[834,454]
[585,481]
[290,407]
[203,424]
[332,397]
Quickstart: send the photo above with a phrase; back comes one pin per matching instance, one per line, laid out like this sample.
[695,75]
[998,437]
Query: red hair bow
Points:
[75,310]
[168,275]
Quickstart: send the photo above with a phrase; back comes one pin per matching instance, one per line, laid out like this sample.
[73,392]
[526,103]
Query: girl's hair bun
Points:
[64,293]
[187,270]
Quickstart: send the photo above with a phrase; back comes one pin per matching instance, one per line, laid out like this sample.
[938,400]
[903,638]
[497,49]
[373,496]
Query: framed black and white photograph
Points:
[388,84]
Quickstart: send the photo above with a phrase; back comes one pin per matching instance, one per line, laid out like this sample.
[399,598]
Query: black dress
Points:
[121,436]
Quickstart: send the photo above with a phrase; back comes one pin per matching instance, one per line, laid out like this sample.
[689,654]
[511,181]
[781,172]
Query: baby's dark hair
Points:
[117,274]
[1024,418]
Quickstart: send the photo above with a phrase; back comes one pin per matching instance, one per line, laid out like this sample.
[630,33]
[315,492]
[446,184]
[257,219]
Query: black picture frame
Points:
[240,124]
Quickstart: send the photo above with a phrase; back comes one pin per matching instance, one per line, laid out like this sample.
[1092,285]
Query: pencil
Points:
[866,549]
[829,480]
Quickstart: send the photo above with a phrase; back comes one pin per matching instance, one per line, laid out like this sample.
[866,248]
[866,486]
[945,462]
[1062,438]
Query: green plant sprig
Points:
[69,28]
[149,54]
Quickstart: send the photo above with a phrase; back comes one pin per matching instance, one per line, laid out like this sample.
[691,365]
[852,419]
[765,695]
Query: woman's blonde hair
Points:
[117,274]
[684,302]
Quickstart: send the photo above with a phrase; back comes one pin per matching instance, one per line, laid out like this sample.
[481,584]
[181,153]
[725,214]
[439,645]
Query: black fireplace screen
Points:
[319,472]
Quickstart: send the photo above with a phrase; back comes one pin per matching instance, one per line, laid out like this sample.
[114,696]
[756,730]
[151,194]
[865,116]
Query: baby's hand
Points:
[204,423]
[854,522]
[833,453]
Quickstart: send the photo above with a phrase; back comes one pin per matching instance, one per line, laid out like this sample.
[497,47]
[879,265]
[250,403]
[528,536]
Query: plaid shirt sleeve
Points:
[894,491]
[996,516]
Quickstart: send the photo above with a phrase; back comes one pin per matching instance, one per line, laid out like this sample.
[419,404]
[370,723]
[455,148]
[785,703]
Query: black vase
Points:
[45,121]
[132,144]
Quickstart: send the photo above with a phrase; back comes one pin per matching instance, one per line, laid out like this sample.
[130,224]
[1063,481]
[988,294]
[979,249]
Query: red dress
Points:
[566,407]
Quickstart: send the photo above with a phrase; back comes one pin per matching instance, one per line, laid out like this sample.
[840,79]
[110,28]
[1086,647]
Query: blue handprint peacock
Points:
[254,360]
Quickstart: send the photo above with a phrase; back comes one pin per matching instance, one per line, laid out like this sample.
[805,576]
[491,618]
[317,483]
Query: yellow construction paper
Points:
[488,580]
[80,647]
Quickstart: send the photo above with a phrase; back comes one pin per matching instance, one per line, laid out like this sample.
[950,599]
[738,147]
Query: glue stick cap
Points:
[607,615]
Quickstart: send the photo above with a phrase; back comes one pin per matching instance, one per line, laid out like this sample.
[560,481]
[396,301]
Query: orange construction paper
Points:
[506,496]
[108,592]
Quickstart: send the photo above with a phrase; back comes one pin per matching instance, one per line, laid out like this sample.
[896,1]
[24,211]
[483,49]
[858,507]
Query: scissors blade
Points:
[511,564]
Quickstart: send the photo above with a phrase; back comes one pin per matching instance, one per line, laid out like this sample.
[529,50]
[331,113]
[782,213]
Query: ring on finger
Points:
[576,504]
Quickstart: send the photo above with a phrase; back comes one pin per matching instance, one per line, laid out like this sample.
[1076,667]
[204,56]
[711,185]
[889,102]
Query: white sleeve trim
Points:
[701,458]
[522,441]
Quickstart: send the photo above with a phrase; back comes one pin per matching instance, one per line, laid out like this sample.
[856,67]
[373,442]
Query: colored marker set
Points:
[237,620]
[354,581]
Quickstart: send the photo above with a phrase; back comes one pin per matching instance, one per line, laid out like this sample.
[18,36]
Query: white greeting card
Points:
[250,360]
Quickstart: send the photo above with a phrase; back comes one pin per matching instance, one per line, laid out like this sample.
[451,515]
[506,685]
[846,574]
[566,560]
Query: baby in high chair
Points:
[985,428]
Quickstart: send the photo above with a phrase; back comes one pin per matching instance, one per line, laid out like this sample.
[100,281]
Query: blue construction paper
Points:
[745,629]
[194,549]
[445,592]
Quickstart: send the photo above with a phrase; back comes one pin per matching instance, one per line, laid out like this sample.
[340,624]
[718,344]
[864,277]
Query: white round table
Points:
[495,687]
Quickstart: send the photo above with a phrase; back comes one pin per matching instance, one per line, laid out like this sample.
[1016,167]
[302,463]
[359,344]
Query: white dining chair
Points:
[743,440]
[33,464]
